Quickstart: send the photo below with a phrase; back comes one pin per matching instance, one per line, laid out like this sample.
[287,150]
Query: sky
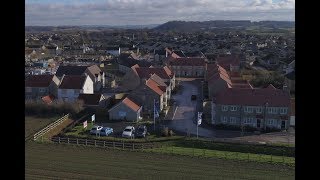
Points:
[144,12]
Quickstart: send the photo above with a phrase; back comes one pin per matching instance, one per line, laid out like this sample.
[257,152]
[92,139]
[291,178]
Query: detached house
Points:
[93,71]
[38,86]
[128,109]
[72,85]
[229,62]
[259,108]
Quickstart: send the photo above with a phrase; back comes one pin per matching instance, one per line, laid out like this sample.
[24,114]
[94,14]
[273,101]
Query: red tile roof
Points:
[186,61]
[38,80]
[226,60]
[90,99]
[131,104]
[146,72]
[154,86]
[72,82]
[48,99]
[254,97]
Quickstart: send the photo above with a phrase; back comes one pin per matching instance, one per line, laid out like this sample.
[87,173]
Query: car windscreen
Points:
[127,130]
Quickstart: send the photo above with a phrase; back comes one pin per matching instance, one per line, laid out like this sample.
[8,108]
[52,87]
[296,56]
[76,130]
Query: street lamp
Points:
[265,111]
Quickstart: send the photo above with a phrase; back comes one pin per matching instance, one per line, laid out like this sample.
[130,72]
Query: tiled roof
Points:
[154,86]
[90,99]
[38,80]
[48,99]
[158,80]
[227,60]
[131,104]
[146,72]
[185,61]
[254,97]
[71,70]
[72,82]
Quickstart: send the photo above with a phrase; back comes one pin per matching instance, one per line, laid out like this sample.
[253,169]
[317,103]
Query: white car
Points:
[95,129]
[128,132]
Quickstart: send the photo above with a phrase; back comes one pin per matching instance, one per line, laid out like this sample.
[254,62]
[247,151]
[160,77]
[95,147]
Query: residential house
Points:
[128,109]
[37,86]
[188,67]
[115,51]
[148,93]
[137,75]
[95,100]
[93,71]
[293,112]
[259,108]
[229,62]
[73,85]
[127,60]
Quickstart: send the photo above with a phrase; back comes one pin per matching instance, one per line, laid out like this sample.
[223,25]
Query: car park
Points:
[128,132]
[141,131]
[106,131]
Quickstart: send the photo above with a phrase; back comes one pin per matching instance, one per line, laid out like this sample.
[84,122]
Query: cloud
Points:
[129,12]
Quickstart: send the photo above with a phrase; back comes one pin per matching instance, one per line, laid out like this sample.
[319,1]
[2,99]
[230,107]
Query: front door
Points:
[283,124]
[258,123]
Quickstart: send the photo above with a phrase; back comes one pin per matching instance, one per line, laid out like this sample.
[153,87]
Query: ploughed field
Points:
[58,161]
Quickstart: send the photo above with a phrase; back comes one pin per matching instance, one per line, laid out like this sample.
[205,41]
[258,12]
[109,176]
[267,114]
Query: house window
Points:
[28,89]
[224,108]
[224,119]
[42,89]
[233,120]
[272,122]
[283,110]
[274,110]
[248,109]
[233,108]
[259,110]
[269,109]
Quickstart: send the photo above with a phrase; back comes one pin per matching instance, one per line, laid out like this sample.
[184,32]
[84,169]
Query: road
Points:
[182,117]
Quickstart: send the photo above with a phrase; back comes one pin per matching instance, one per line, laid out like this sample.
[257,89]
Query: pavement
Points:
[182,118]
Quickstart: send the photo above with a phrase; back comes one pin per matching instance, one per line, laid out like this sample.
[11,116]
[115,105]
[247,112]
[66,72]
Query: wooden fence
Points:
[49,127]
[101,143]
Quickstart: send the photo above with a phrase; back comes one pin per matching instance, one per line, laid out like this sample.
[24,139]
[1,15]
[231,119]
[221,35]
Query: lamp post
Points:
[264,120]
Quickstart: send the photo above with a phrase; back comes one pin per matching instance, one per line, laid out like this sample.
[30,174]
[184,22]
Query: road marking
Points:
[174,112]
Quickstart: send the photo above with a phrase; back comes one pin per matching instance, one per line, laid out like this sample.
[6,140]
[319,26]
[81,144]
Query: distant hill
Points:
[85,27]
[206,25]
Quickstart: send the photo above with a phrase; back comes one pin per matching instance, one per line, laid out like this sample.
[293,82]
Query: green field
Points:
[225,155]
[54,161]
[34,124]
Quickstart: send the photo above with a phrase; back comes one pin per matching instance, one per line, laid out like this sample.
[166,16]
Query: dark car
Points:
[141,131]
[193,97]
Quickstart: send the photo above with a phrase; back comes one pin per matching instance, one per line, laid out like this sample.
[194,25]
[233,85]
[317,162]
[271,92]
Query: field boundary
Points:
[49,127]
[102,143]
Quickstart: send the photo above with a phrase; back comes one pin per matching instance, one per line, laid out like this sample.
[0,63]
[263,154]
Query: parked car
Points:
[193,97]
[141,131]
[95,129]
[128,132]
[106,131]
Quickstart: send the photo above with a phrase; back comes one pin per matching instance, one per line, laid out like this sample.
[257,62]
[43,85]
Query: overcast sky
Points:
[143,12]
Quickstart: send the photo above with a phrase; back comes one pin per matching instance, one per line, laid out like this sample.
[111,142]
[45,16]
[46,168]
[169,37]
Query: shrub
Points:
[170,132]
[38,107]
